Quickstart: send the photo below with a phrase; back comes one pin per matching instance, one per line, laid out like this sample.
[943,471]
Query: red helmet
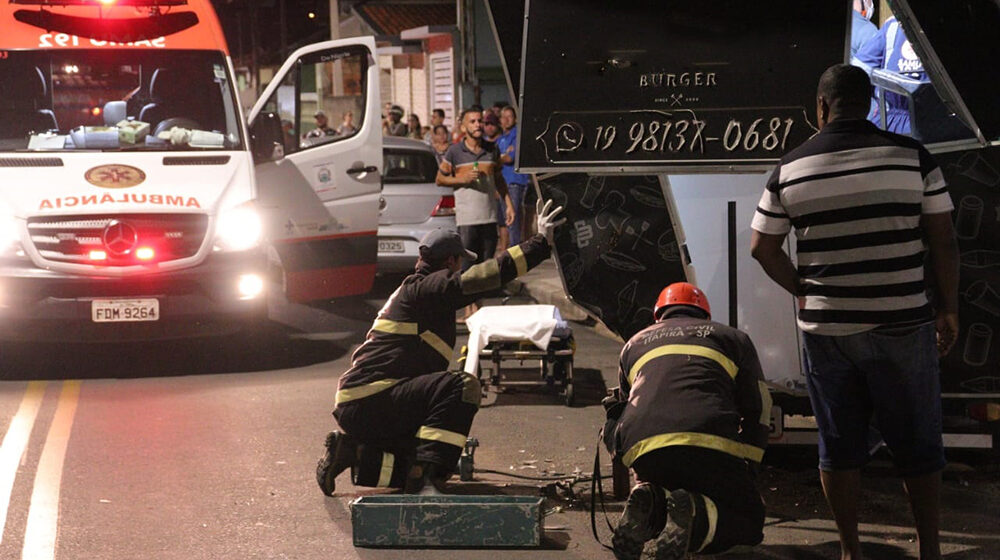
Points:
[681,293]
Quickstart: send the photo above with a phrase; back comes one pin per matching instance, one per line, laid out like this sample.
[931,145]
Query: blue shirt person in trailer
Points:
[889,49]
[862,29]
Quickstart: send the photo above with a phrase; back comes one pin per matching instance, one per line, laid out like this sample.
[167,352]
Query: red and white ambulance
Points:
[136,202]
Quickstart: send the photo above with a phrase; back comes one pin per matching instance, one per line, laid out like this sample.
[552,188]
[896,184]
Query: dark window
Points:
[404,166]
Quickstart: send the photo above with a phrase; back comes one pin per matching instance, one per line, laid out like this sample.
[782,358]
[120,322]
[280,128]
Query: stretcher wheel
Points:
[570,395]
[558,371]
[567,372]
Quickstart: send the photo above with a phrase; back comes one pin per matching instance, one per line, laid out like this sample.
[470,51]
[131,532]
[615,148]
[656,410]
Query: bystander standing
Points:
[866,206]
[440,142]
[472,168]
[437,118]
[322,127]
[394,125]
[517,183]
[413,128]
[347,127]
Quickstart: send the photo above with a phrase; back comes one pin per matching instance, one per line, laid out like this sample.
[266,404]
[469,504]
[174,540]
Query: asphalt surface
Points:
[206,450]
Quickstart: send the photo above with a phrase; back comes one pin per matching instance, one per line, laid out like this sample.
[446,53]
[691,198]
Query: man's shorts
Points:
[889,377]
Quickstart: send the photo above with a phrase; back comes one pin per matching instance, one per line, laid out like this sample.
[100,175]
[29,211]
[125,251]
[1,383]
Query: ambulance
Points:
[136,200]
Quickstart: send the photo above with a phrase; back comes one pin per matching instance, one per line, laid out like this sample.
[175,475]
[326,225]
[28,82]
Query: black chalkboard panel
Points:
[507,21]
[618,248]
[974,182]
[654,84]
[963,35]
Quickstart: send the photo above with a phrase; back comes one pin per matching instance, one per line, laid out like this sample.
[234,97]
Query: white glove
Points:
[547,223]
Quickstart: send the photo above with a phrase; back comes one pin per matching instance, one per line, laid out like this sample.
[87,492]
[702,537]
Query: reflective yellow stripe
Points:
[436,343]
[684,349]
[472,390]
[713,520]
[444,436]
[708,441]
[765,403]
[394,327]
[362,391]
[482,277]
[520,262]
[385,476]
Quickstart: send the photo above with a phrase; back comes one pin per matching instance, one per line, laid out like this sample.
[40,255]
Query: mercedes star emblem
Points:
[120,238]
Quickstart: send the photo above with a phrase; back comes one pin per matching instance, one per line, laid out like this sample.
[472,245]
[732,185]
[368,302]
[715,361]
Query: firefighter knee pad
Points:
[472,391]
[378,467]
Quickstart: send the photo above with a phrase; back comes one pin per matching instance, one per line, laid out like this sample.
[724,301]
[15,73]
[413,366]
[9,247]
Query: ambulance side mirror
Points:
[267,138]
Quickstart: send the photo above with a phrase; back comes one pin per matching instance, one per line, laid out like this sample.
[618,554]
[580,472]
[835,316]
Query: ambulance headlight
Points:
[238,229]
[9,236]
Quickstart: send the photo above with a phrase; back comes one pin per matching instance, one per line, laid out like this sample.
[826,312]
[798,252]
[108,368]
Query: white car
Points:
[412,203]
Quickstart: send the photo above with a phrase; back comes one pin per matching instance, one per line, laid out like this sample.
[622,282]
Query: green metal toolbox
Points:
[416,521]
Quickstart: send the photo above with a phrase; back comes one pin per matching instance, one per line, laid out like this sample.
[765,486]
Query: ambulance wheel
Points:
[570,395]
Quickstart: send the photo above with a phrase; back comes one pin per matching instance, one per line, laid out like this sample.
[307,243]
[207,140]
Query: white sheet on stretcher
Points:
[536,323]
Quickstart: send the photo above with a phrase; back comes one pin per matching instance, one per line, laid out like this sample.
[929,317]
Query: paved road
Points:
[206,451]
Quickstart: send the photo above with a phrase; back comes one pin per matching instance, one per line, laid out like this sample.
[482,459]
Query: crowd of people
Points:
[499,133]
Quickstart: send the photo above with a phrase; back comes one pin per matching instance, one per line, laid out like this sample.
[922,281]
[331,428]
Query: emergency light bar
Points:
[116,30]
[139,3]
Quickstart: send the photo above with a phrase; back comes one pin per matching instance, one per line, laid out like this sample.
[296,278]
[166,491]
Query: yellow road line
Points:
[15,441]
[43,513]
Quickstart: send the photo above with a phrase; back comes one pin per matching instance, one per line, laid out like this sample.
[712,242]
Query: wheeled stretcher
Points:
[521,333]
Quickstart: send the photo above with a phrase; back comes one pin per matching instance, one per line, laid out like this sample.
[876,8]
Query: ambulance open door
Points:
[319,186]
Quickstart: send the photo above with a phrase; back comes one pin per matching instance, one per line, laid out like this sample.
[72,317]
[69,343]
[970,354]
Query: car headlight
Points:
[238,229]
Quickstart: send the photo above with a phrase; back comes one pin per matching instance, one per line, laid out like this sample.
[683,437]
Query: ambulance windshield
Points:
[117,99]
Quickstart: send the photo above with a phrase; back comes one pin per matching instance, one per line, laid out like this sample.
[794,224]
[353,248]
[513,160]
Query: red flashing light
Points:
[445,206]
[98,256]
[145,253]
[107,2]
[95,111]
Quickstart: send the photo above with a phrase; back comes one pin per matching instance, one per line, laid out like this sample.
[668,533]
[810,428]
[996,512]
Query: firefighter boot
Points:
[426,479]
[341,454]
[640,521]
[674,540]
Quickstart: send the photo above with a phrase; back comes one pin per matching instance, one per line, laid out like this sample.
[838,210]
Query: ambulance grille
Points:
[78,239]
[195,160]
[30,162]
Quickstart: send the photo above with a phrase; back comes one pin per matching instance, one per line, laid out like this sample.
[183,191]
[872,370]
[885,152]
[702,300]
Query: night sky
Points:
[236,22]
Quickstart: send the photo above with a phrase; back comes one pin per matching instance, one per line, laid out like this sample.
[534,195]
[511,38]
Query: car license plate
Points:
[389,246]
[124,310]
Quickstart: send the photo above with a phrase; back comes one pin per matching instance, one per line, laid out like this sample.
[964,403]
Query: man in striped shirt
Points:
[866,206]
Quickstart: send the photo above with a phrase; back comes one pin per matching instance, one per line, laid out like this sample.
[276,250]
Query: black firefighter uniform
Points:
[697,419]
[398,387]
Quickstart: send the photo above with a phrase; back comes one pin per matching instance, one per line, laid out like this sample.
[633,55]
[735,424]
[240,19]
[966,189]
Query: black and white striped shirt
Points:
[855,194]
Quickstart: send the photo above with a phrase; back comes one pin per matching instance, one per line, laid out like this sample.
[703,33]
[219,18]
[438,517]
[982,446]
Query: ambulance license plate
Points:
[390,246]
[124,310]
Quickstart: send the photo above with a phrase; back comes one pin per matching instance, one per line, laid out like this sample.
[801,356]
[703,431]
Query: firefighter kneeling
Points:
[693,426]
[405,417]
